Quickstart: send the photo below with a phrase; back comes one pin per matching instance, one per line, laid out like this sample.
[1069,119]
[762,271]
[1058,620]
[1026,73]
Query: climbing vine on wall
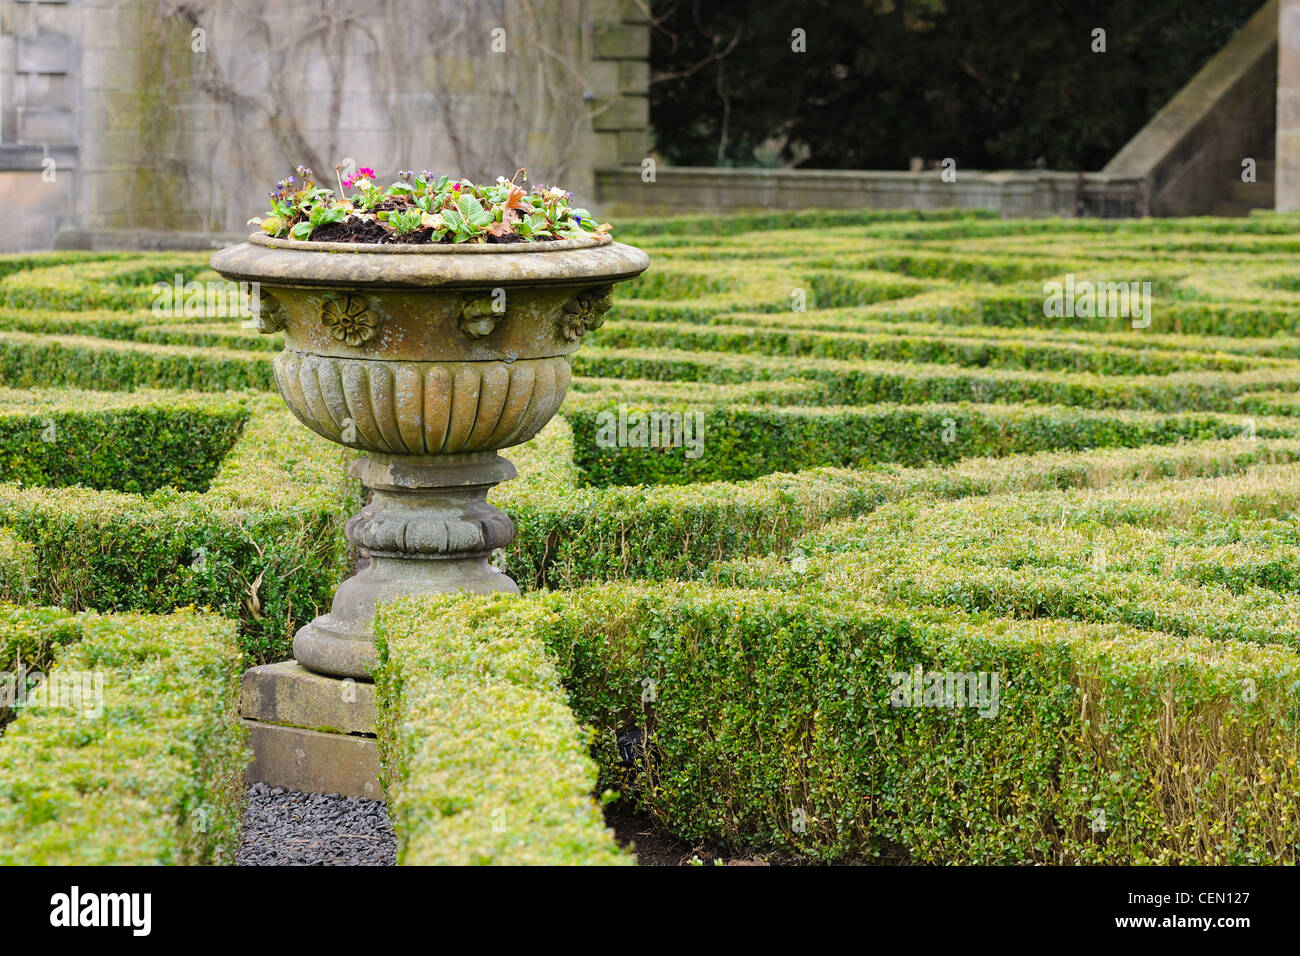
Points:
[242,90]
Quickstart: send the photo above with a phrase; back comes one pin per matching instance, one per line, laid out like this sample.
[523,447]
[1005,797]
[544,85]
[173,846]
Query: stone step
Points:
[1258,194]
[288,693]
[312,762]
[310,732]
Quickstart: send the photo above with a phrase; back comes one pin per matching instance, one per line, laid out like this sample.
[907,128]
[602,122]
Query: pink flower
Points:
[365,172]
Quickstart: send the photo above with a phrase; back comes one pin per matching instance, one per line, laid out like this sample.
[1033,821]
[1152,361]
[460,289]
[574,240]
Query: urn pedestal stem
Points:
[428,529]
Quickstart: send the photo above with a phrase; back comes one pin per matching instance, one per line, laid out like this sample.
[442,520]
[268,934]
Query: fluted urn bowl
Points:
[429,358]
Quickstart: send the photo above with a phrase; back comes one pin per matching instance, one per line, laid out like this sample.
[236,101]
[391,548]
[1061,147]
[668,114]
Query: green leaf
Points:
[405,222]
[302,230]
[326,214]
[474,212]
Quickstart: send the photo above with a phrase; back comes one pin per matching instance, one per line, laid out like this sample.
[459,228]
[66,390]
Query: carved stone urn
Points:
[430,359]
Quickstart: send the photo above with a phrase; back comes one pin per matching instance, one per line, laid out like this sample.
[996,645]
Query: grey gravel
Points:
[291,828]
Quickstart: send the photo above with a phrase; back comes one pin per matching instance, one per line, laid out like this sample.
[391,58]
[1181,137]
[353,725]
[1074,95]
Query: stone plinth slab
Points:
[312,762]
[288,693]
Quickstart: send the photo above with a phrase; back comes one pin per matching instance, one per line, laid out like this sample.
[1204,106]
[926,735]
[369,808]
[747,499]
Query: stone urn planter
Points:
[428,358]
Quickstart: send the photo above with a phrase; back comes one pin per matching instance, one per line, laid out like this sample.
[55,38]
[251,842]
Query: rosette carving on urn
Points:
[585,312]
[349,320]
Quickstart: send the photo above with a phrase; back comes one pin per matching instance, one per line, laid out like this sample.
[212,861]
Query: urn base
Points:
[427,530]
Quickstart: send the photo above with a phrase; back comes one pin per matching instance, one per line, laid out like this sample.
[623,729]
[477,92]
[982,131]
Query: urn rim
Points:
[281,263]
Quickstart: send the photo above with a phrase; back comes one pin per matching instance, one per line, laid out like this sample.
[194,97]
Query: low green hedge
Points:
[139,326]
[99,323]
[482,761]
[29,635]
[929,318]
[109,283]
[157,776]
[263,545]
[1211,558]
[1167,315]
[915,577]
[24,261]
[778,337]
[41,361]
[1273,402]
[791,392]
[133,443]
[768,723]
[863,382]
[735,442]
[209,335]
[28,639]
[829,289]
[566,536]
[17,565]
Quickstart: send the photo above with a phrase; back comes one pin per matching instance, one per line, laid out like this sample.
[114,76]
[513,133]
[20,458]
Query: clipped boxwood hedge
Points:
[17,565]
[1212,558]
[769,725]
[134,442]
[98,281]
[1119,618]
[263,545]
[482,761]
[737,442]
[157,777]
[566,535]
[37,361]
[866,382]
[28,639]
[865,336]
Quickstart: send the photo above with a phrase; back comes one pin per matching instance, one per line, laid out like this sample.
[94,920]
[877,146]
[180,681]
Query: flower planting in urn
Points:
[429,356]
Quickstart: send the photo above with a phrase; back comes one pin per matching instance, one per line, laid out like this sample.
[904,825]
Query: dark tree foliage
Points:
[992,83]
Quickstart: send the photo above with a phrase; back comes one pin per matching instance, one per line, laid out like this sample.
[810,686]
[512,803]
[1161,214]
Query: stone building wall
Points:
[1288,107]
[39,56]
[180,115]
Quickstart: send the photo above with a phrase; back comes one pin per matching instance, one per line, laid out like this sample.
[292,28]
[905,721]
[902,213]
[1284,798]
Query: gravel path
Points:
[291,828]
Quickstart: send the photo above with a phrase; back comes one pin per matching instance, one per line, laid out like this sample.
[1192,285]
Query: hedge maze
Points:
[887,459]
